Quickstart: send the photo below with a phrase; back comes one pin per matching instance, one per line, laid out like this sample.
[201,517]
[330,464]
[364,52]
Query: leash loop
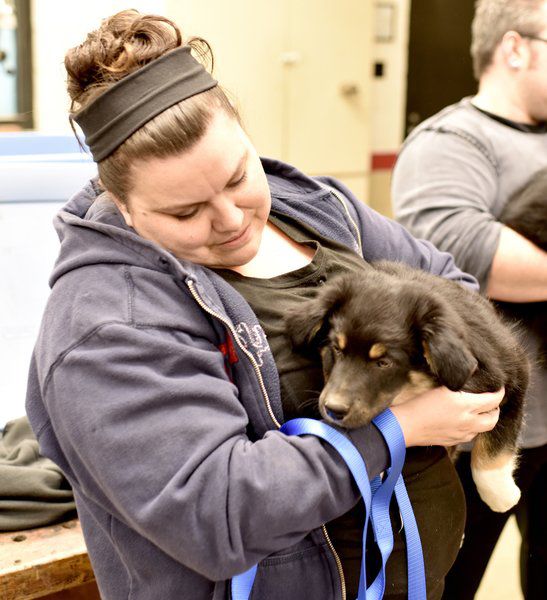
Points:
[376,497]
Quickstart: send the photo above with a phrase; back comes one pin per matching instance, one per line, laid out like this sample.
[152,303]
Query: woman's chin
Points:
[237,259]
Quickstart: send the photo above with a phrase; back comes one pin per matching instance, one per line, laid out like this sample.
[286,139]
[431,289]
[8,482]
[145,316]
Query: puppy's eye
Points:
[384,363]
[336,350]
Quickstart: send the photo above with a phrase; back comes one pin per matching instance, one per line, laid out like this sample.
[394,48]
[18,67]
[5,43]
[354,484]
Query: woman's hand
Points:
[440,417]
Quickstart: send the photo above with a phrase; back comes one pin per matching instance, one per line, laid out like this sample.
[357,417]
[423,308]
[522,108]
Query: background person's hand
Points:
[440,417]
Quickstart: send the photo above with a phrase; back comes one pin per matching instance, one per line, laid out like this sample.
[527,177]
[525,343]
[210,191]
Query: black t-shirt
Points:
[300,376]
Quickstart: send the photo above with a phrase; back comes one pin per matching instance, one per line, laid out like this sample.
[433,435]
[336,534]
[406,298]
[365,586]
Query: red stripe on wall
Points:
[383,162]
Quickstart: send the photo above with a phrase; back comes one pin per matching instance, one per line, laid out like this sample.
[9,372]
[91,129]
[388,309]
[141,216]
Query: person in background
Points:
[163,370]
[453,177]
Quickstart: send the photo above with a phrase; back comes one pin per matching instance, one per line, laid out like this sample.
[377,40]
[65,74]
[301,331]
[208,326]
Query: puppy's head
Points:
[359,330]
[380,343]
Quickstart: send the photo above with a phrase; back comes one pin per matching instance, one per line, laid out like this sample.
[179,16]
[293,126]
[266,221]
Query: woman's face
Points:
[208,205]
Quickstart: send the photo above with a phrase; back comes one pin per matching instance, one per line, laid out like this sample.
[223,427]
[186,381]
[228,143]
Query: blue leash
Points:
[383,491]
[376,497]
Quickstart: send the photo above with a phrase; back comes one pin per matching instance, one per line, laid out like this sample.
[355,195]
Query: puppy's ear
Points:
[308,323]
[445,347]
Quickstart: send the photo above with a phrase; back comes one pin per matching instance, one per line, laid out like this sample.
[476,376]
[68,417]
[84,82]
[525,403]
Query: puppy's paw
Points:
[497,488]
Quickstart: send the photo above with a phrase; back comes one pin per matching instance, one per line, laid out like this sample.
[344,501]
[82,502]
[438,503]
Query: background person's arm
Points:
[519,270]
[444,189]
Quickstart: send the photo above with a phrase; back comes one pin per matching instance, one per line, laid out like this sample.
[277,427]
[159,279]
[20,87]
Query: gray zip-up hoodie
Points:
[152,386]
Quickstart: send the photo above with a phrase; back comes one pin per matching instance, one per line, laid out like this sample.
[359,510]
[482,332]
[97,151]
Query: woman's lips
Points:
[239,239]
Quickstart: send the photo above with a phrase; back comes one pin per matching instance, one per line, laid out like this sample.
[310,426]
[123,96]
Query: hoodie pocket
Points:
[306,570]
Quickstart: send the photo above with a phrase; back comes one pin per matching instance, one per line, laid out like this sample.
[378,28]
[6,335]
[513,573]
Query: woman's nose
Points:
[228,216]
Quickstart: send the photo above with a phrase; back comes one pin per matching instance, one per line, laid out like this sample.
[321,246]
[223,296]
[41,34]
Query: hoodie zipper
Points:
[225,321]
[338,562]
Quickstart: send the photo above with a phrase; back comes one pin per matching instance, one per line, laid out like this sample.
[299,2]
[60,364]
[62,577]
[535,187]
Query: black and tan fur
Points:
[526,213]
[392,332]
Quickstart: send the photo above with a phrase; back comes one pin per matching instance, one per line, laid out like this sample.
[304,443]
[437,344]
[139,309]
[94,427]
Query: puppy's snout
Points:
[336,408]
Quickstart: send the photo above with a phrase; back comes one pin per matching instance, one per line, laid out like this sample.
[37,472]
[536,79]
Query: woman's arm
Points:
[155,433]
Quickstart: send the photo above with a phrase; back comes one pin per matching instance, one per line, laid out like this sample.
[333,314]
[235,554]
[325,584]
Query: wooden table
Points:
[37,562]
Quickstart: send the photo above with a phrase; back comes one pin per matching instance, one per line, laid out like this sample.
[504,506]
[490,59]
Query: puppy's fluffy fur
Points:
[393,332]
[526,213]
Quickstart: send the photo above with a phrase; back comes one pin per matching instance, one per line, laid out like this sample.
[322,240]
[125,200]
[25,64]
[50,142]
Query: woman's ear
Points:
[445,347]
[122,207]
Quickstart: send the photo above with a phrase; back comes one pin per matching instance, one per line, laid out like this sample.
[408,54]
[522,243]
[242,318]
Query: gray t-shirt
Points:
[453,177]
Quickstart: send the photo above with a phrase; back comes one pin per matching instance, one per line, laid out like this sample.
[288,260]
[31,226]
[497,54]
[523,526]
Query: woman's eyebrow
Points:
[239,166]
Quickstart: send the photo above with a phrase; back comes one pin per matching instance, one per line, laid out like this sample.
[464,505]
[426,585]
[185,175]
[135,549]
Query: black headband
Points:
[136,99]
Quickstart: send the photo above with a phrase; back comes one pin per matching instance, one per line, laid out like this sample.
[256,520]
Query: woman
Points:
[152,384]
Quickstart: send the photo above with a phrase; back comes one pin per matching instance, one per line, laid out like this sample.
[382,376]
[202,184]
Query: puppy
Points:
[526,213]
[392,332]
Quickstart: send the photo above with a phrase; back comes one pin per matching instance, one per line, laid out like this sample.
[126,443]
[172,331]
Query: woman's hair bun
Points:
[123,43]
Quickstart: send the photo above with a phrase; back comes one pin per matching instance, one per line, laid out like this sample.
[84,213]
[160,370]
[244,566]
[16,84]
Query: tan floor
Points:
[501,580]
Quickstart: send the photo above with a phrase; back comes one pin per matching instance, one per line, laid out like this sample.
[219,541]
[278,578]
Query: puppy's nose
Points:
[336,408]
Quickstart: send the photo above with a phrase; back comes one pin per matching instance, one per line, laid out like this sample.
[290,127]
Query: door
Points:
[301,73]
[440,70]
[15,65]
[329,88]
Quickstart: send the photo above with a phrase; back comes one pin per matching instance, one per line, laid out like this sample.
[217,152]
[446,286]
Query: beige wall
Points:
[56,26]
[288,64]
[285,61]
